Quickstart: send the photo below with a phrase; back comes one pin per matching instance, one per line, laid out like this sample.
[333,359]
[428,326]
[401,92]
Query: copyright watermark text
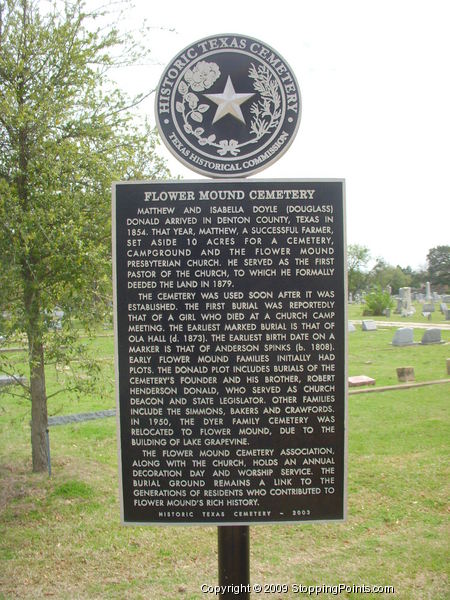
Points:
[296,588]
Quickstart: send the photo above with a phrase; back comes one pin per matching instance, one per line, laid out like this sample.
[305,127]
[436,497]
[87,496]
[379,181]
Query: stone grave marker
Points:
[406,308]
[405,374]
[351,327]
[11,380]
[57,315]
[360,380]
[369,325]
[432,336]
[403,337]
[427,310]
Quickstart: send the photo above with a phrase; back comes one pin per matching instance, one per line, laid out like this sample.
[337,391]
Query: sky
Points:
[375,86]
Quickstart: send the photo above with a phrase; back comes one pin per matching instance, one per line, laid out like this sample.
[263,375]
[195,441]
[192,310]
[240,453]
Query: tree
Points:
[384,274]
[357,258]
[417,278]
[438,260]
[66,133]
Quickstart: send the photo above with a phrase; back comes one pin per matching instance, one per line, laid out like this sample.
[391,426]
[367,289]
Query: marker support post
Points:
[234,561]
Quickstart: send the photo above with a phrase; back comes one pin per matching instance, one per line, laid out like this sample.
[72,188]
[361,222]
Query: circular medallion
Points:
[228,106]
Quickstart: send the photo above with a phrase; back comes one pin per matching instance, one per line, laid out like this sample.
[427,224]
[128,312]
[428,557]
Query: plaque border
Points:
[213,182]
[223,175]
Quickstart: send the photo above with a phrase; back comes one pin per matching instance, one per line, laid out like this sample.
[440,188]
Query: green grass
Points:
[355,312]
[371,353]
[60,537]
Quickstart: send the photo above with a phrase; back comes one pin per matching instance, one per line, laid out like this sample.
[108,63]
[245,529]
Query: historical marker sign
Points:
[231,343]
[228,106]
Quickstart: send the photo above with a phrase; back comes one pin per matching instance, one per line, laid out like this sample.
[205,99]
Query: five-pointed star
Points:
[229,102]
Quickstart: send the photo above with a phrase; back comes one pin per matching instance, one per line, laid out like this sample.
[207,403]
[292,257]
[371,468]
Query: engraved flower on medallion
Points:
[230,146]
[202,76]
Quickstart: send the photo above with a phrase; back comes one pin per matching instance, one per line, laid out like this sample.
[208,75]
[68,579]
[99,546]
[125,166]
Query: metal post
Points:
[234,562]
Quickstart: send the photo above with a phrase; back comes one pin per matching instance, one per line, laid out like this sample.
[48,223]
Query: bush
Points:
[377,301]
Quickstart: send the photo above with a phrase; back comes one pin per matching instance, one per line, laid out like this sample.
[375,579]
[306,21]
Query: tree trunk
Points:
[35,333]
[38,407]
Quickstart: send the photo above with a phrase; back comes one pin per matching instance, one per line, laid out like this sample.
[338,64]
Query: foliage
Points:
[377,301]
[417,278]
[383,274]
[438,260]
[357,258]
[66,132]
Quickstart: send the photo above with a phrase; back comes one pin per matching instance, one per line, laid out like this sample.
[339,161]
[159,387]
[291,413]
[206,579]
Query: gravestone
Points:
[54,319]
[432,336]
[369,326]
[427,309]
[11,380]
[443,308]
[360,380]
[407,308]
[58,315]
[350,298]
[447,315]
[403,337]
[351,327]
[389,289]
[405,374]
[427,291]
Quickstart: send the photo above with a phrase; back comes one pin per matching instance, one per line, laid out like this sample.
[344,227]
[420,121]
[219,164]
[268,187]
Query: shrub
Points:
[377,301]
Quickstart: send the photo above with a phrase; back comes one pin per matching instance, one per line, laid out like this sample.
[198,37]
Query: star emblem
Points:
[229,102]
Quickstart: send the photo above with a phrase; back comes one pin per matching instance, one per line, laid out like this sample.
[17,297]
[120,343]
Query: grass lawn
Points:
[355,311]
[60,537]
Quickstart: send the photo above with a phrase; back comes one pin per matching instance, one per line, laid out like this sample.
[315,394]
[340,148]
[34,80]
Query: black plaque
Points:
[230,350]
